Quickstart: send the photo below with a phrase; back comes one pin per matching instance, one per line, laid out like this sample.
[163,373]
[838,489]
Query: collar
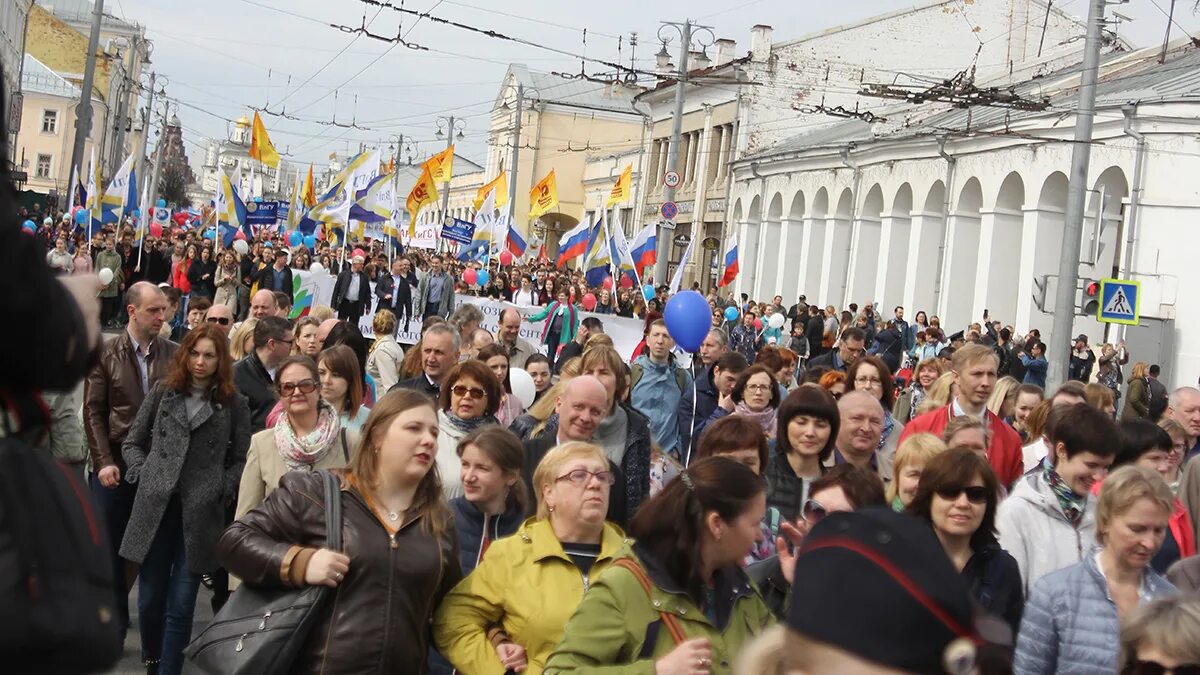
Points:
[431,381]
[540,535]
[838,363]
[137,347]
[838,458]
[956,410]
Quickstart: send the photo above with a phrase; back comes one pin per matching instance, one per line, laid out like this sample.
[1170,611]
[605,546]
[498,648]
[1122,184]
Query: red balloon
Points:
[626,282]
[505,258]
[180,218]
[155,230]
[607,283]
[470,276]
[359,252]
[589,302]
[758,324]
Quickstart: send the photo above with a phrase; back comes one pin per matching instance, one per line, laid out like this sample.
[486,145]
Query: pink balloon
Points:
[155,230]
[758,324]
[359,252]
[626,282]
[607,283]
[470,276]
[589,302]
[505,258]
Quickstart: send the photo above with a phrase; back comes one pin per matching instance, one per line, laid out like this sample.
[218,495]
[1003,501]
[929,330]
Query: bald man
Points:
[221,317]
[263,304]
[323,330]
[859,433]
[580,408]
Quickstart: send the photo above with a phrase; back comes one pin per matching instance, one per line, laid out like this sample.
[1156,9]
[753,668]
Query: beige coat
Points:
[264,467]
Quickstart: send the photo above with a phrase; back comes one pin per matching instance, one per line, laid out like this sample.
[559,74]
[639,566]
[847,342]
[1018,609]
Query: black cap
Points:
[878,584]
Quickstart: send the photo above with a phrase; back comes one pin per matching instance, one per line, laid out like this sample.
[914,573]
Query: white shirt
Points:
[352,289]
[523,298]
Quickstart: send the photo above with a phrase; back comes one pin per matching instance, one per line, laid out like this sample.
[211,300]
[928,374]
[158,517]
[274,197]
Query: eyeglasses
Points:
[305,387]
[1156,668]
[867,380]
[976,494]
[758,387]
[286,342]
[581,477]
[462,390]
[223,320]
[813,512]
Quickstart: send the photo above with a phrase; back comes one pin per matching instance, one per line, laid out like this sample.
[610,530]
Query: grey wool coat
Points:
[201,459]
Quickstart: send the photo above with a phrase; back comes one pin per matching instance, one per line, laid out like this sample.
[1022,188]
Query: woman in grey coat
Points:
[1073,617]
[185,454]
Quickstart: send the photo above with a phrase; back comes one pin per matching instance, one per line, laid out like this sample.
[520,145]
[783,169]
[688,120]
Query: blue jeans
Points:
[167,595]
[116,504]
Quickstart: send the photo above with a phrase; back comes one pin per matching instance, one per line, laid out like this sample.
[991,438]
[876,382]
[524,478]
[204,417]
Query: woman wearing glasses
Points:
[755,396]
[1162,637]
[307,436]
[958,495]
[470,397]
[510,612]
[871,375]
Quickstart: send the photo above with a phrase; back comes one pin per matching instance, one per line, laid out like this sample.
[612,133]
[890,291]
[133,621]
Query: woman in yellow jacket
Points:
[510,612]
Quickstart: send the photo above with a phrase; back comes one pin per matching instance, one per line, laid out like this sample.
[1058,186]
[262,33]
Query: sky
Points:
[221,58]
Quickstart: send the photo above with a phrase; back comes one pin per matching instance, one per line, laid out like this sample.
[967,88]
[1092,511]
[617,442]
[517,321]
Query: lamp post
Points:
[447,128]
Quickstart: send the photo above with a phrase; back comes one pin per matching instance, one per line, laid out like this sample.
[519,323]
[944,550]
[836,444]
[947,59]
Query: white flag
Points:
[677,280]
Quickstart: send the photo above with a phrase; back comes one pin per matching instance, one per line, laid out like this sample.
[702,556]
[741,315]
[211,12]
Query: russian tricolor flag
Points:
[516,241]
[731,262]
[645,249]
[572,244]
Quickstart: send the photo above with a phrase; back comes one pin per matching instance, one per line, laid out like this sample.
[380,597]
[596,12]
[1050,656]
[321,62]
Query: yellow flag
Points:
[500,185]
[441,165]
[543,197]
[620,189]
[261,147]
[424,192]
[308,193]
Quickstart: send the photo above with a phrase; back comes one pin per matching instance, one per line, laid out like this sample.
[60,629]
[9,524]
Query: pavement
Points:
[131,660]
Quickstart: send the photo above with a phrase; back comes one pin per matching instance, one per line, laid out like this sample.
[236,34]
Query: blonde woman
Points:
[911,397]
[1162,636]
[938,395]
[1004,397]
[911,457]
[241,340]
[1137,401]
[386,355]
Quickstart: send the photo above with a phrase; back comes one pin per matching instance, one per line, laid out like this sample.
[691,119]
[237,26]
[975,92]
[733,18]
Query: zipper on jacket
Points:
[586,583]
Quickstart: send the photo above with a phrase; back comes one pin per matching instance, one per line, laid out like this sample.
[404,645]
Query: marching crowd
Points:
[817,490]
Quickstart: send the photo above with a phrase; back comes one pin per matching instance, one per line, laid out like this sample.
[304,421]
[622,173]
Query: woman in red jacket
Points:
[179,279]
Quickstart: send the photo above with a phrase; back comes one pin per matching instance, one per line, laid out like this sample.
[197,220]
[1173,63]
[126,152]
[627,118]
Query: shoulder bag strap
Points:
[345,446]
[333,511]
[668,619]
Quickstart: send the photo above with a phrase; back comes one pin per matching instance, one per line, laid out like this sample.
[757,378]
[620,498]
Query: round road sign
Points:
[671,179]
[669,210]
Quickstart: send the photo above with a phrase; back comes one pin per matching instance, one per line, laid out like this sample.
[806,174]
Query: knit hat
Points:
[878,584]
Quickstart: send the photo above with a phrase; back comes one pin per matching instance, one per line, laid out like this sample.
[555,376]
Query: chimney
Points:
[760,42]
[724,54]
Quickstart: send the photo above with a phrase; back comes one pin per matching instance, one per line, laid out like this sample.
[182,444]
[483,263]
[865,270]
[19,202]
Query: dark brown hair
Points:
[731,433]
[739,389]
[956,468]
[495,349]
[179,377]
[885,376]
[478,371]
[342,362]
[862,488]
[670,526]
[298,359]
[814,401]
[506,452]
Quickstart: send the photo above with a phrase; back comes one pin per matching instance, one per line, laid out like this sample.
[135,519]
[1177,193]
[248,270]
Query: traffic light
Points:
[1091,298]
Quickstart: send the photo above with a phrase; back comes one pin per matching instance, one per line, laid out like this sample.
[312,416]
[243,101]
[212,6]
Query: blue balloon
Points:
[29,225]
[81,217]
[688,319]
[648,292]
[137,213]
[295,238]
[482,277]
[310,241]
[731,313]
[258,200]
[210,234]
[162,203]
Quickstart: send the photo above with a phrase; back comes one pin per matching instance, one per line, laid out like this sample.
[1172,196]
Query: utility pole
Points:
[158,155]
[1068,265]
[516,154]
[450,123]
[139,162]
[83,113]
[685,44]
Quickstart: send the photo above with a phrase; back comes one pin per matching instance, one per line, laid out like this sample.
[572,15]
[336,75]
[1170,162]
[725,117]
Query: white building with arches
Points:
[959,211]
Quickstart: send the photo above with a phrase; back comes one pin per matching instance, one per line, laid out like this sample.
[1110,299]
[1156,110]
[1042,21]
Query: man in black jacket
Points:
[849,349]
[439,353]
[278,277]
[395,291]
[814,332]
[255,374]
[699,402]
[352,292]
[156,261]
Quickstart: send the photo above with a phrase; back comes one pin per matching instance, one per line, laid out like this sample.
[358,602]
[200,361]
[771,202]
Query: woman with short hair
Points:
[911,457]
[496,358]
[1145,444]
[1162,637]
[871,375]
[512,610]
[468,401]
[756,396]
[807,429]
[304,334]
[740,439]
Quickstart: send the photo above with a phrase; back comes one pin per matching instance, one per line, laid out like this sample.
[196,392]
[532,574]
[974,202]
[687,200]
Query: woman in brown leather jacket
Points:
[400,550]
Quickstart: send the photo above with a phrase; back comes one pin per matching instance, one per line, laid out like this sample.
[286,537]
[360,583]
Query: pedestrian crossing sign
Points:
[1119,301]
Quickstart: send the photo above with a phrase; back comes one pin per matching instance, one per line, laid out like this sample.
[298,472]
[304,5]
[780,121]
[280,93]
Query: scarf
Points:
[301,453]
[467,426]
[889,423]
[1071,503]
[611,434]
[765,419]
[918,397]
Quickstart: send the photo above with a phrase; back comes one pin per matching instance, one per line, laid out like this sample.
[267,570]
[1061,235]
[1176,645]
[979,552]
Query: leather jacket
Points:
[378,621]
[112,394]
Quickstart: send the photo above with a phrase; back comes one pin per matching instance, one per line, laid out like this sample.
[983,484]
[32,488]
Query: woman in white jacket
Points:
[386,355]
[1049,520]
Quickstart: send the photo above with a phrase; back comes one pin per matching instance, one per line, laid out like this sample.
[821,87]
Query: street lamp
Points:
[449,125]
[399,144]
[662,58]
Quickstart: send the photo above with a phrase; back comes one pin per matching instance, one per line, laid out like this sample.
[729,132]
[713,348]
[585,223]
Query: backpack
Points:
[636,372]
[57,598]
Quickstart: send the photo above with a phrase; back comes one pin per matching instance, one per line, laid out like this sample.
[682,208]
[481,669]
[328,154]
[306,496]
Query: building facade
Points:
[232,155]
[47,130]
[14,14]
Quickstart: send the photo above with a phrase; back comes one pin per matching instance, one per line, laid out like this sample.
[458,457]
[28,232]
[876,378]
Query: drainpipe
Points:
[845,153]
[951,163]
[1125,261]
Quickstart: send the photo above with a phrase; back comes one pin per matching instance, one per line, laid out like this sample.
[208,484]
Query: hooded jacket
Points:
[656,392]
[1033,529]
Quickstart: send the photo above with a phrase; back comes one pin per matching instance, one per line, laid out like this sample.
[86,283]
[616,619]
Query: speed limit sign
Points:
[671,179]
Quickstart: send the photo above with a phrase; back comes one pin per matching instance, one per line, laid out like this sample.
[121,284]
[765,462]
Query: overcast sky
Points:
[224,56]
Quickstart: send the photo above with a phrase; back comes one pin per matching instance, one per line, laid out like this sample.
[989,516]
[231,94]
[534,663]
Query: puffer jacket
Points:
[378,619]
[472,524]
[1071,625]
[618,626]
[1033,529]
[526,585]
[785,490]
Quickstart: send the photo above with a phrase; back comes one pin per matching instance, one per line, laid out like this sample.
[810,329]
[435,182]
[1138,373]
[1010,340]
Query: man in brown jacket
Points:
[130,365]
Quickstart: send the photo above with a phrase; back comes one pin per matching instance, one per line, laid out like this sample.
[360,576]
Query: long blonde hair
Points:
[1005,389]
[238,338]
[544,407]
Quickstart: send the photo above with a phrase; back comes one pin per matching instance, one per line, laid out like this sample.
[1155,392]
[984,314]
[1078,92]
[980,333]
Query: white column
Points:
[813,250]
[958,277]
[893,281]
[781,267]
[923,241]
[864,260]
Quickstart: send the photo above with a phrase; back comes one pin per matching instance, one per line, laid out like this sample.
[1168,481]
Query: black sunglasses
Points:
[223,320]
[1156,668]
[813,511]
[976,494]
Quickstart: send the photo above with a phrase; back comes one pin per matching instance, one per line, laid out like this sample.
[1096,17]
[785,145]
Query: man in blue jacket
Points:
[658,386]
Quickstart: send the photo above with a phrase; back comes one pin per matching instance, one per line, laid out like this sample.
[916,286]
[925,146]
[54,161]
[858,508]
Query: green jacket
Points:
[608,632]
[111,260]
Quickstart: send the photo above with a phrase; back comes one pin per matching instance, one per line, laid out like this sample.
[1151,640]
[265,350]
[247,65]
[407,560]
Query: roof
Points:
[581,93]
[81,11]
[39,78]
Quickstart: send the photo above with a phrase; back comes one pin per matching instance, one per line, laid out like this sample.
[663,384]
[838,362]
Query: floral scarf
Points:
[301,453]
[765,419]
[1072,504]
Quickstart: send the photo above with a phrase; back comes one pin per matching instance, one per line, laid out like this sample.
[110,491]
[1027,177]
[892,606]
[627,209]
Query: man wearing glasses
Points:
[221,317]
[851,346]
[255,374]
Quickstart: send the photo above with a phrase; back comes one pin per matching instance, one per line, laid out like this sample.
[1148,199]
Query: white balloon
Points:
[106,276]
[776,321]
[241,246]
[522,386]
[316,268]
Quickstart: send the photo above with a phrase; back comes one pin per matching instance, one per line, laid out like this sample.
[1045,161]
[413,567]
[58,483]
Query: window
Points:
[49,121]
[43,166]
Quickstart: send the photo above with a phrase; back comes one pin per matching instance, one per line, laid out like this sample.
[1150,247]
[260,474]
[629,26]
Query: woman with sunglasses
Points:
[1073,617]
[958,495]
[1162,638]
[469,399]
[306,436]
[511,611]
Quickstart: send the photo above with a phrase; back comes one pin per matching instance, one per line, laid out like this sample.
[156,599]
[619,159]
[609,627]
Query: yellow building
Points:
[47,129]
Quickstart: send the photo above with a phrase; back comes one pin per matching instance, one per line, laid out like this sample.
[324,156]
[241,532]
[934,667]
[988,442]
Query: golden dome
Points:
[243,121]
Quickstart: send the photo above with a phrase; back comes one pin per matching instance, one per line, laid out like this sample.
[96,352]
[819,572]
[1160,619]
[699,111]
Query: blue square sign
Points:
[1119,301]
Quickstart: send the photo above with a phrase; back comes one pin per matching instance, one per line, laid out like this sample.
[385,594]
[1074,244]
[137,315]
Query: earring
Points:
[551,509]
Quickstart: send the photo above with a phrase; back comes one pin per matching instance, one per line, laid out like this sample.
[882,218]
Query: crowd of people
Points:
[892,495]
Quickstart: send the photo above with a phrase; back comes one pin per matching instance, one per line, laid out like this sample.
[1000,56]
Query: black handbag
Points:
[261,631]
